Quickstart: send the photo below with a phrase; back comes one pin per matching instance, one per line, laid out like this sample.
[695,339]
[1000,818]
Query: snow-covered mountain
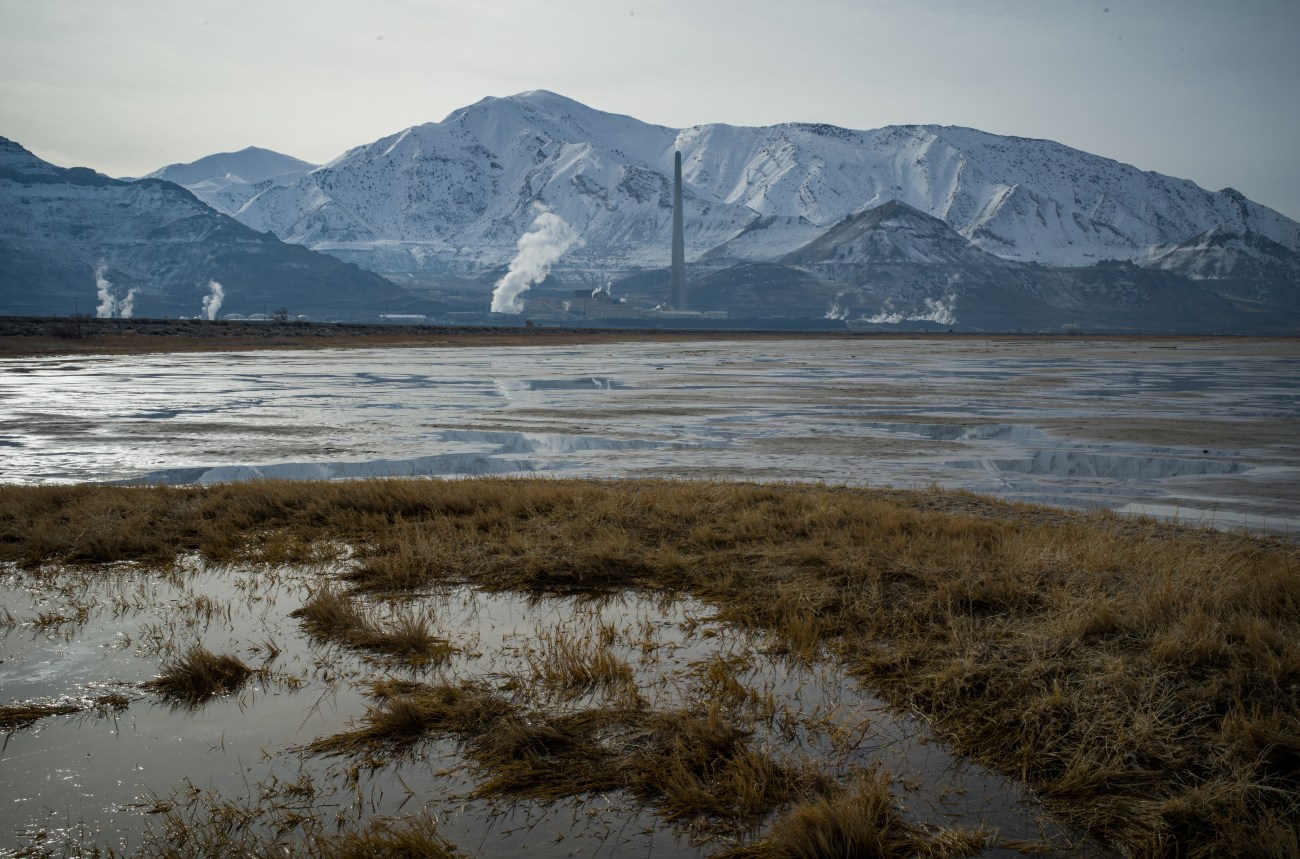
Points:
[73,240]
[894,266]
[228,180]
[1245,266]
[457,194]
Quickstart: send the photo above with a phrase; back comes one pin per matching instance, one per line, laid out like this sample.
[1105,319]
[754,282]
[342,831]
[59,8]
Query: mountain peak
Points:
[228,180]
[251,164]
[14,156]
[892,232]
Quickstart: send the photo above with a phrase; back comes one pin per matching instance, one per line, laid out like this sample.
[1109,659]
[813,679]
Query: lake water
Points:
[1201,430]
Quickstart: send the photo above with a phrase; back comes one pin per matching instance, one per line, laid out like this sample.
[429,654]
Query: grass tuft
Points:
[198,674]
[18,716]
[409,712]
[860,821]
[332,615]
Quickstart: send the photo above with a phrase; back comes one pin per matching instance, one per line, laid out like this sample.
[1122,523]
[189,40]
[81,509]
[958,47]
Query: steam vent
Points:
[677,294]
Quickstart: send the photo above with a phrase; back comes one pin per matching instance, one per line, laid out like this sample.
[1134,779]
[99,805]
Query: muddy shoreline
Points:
[36,335]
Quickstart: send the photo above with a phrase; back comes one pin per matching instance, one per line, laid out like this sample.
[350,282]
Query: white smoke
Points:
[107,308]
[608,289]
[941,311]
[212,301]
[837,310]
[127,305]
[539,248]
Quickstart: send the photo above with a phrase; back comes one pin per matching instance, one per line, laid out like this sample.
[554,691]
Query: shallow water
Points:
[1205,432]
[84,780]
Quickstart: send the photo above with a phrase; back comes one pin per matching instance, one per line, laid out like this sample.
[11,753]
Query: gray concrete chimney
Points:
[677,294]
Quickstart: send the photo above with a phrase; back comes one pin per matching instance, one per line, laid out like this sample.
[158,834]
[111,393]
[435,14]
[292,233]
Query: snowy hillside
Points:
[76,241]
[458,192]
[228,180]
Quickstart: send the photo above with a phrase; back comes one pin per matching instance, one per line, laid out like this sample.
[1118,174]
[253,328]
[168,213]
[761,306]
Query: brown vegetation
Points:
[332,615]
[52,335]
[860,821]
[1144,678]
[690,765]
[17,716]
[199,674]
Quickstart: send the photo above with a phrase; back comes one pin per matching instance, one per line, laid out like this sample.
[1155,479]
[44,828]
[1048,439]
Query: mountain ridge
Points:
[457,192]
[73,240]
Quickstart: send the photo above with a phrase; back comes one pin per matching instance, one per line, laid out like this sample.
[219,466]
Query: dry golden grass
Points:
[409,712]
[862,821]
[199,674]
[573,666]
[689,765]
[1145,679]
[332,615]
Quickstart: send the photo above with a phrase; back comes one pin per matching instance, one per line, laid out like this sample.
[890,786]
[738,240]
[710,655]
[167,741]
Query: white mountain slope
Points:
[228,180]
[459,192]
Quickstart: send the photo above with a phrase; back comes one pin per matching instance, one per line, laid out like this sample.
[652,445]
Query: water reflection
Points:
[1204,430]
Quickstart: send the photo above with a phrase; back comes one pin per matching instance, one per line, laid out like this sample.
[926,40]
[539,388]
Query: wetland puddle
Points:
[130,768]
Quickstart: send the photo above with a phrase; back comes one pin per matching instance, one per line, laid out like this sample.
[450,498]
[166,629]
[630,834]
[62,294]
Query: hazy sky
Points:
[1207,90]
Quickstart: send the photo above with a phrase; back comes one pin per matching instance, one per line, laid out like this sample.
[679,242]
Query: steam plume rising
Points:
[539,248]
[127,306]
[107,308]
[212,301]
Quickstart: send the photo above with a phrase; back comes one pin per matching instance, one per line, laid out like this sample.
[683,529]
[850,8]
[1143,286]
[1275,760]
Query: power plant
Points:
[677,293]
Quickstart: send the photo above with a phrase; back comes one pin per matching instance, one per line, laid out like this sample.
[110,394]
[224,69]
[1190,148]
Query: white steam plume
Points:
[212,301]
[107,303]
[942,311]
[127,307]
[539,248]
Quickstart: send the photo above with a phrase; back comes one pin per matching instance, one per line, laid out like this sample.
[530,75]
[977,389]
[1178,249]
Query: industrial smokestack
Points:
[677,294]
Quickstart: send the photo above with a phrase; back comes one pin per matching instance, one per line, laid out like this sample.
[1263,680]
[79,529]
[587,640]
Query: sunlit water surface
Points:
[1202,430]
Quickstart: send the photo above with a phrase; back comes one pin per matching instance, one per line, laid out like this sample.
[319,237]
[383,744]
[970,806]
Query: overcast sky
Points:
[1207,90]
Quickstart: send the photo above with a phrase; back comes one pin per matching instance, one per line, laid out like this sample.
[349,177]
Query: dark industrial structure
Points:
[677,293]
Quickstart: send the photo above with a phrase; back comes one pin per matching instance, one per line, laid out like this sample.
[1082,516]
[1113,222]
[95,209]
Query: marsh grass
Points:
[15,717]
[689,765]
[572,666]
[861,820]
[198,674]
[199,824]
[1143,678]
[408,712]
[332,615]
